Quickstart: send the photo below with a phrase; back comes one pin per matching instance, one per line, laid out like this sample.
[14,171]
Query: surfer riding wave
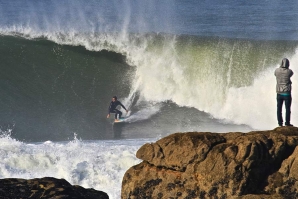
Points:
[113,108]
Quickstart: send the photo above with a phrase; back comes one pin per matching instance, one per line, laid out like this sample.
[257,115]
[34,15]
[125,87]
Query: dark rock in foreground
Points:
[260,164]
[13,188]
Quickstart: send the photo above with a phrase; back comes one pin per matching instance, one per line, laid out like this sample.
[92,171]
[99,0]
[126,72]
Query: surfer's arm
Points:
[123,106]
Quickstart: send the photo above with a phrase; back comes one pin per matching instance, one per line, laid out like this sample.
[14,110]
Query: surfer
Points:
[113,108]
[283,90]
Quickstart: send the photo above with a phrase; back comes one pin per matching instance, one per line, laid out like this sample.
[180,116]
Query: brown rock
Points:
[260,164]
[13,188]
[178,150]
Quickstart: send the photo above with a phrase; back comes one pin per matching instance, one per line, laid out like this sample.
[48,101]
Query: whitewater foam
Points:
[91,164]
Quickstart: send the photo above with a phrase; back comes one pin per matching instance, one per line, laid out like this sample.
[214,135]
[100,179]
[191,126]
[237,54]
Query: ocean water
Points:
[176,65]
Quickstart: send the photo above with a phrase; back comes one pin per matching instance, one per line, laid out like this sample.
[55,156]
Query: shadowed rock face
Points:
[11,188]
[260,164]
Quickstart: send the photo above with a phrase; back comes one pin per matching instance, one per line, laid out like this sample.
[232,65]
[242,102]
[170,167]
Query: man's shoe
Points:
[289,124]
[279,124]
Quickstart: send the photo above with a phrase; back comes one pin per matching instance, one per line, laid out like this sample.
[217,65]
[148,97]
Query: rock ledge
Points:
[258,164]
[47,187]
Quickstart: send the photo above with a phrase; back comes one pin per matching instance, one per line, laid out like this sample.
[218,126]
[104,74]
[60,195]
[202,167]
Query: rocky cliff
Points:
[259,164]
[13,188]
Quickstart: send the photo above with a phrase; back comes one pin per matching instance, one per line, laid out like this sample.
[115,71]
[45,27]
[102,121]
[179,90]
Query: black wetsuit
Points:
[113,108]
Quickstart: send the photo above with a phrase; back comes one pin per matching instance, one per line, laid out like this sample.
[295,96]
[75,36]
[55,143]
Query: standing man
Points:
[283,90]
[113,108]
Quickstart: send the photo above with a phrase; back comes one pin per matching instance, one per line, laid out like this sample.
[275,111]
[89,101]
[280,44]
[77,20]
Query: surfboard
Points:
[123,119]
[120,120]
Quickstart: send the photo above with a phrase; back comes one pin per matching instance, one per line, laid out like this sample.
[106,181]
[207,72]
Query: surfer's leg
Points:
[113,111]
[117,112]
[120,114]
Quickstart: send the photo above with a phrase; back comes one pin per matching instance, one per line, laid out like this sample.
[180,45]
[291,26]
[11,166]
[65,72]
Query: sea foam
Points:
[91,164]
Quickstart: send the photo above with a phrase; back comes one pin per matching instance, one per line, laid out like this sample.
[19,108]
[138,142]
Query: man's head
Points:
[114,98]
[285,63]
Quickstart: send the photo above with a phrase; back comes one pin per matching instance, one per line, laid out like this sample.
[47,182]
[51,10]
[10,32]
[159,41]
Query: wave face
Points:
[48,89]
[178,66]
[58,84]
